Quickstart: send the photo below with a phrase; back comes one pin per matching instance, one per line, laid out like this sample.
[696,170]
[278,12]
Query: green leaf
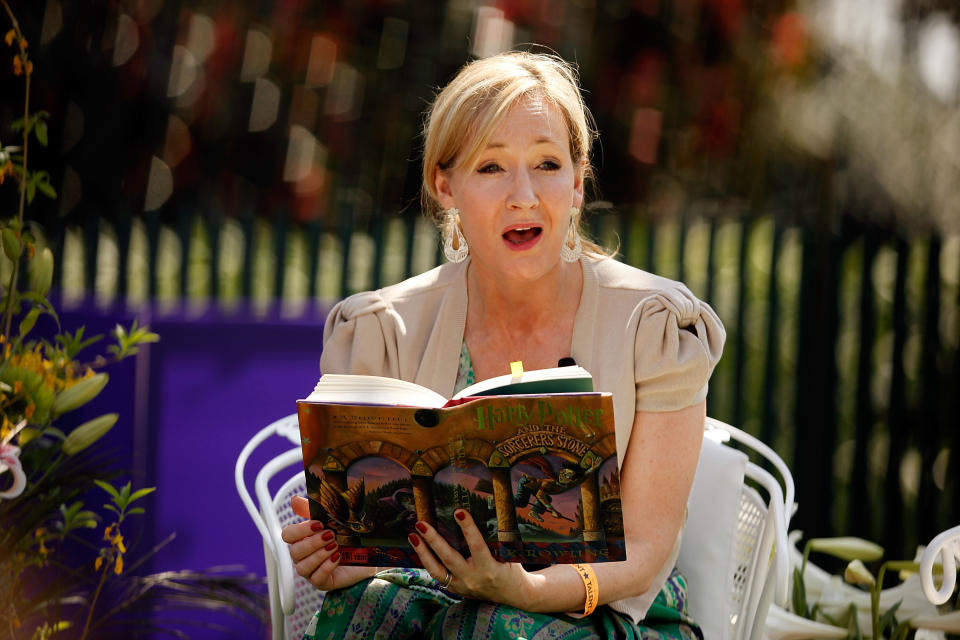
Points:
[799,595]
[135,510]
[74,343]
[902,631]
[28,321]
[31,190]
[41,132]
[830,619]
[140,493]
[853,627]
[887,619]
[11,244]
[106,486]
[56,433]
[112,508]
[47,189]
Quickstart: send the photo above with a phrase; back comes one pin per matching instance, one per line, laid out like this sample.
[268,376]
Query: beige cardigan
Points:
[644,338]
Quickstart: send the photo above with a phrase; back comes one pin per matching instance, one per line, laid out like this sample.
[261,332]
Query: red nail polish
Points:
[460,514]
[422,528]
[414,540]
[335,558]
[331,546]
[316,526]
[327,535]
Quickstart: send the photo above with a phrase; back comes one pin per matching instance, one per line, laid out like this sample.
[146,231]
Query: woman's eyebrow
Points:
[540,140]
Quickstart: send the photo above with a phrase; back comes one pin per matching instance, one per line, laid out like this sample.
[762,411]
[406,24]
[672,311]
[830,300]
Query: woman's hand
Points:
[480,576]
[315,553]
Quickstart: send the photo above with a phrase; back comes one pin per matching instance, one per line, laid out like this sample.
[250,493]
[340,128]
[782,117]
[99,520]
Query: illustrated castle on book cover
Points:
[537,473]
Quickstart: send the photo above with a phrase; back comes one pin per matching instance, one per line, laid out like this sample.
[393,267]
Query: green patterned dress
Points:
[407,604]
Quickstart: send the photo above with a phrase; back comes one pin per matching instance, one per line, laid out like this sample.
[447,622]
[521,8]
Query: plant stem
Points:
[8,311]
[875,601]
[93,601]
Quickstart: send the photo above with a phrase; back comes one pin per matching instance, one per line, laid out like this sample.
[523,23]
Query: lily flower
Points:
[857,573]
[847,548]
[10,461]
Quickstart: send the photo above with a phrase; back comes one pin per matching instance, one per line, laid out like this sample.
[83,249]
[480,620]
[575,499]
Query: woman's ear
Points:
[579,175]
[441,182]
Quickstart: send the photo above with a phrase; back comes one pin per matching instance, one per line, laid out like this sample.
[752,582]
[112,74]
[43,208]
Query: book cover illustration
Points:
[538,474]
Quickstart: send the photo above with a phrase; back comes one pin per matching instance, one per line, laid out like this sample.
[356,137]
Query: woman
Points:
[506,160]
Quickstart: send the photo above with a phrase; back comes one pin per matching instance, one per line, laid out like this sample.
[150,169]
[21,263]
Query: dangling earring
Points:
[572,247]
[453,236]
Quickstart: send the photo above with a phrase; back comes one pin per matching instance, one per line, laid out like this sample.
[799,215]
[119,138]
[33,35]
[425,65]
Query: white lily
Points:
[10,461]
[848,548]
[857,573]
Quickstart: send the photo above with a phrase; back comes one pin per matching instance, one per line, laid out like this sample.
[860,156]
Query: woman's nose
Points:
[523,193]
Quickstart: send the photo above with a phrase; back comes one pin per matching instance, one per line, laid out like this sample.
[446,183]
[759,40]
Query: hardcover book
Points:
[537,471]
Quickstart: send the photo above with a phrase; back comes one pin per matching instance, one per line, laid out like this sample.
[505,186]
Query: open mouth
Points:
[522,235]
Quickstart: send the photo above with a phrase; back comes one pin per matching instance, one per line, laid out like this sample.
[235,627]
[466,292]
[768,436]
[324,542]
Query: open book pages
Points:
[361,389]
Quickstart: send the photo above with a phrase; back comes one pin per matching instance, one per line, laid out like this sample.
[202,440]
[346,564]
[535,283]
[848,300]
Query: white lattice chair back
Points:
[728,556]
[293,600]
[306,597]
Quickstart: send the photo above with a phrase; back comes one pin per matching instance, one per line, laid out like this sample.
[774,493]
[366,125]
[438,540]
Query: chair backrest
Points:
[293,600]
[728,538]
[306,597]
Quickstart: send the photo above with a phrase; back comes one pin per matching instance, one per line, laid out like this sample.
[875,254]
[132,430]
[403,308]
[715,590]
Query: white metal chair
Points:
[747,538]
[293,600]
[946,548]
[734,543]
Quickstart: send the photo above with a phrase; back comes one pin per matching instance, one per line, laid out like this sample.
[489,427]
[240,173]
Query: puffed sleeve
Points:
[679,342]
[360,337]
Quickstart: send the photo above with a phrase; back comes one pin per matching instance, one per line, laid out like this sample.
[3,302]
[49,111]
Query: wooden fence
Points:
[842,350]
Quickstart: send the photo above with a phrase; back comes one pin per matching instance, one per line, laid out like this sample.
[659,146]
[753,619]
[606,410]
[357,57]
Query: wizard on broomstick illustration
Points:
[540,490]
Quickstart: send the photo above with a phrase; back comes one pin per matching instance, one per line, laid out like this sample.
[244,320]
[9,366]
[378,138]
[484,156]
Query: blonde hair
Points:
[467,111]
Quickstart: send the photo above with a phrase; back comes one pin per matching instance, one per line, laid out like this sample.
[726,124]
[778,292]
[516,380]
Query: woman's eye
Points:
[549,165]
[489,168]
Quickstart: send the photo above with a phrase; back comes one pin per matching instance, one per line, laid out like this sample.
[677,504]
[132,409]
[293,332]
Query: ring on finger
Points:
[445,583]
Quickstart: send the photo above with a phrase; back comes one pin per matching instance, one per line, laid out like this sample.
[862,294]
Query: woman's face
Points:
[515,200]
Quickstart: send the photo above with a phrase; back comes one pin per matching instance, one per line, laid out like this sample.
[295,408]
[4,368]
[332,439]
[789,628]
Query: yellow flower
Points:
[118,567]
[117,541]
[29,67]
[98,563]
[10,36]
[23,44]
[108,532]
[17,66]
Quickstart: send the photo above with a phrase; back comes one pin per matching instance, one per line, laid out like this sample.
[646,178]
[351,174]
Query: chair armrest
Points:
[781,544]
[946,546]
[789,490]
[271,522]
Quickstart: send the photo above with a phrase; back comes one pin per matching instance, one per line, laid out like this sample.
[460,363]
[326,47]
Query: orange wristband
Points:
[590,585]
